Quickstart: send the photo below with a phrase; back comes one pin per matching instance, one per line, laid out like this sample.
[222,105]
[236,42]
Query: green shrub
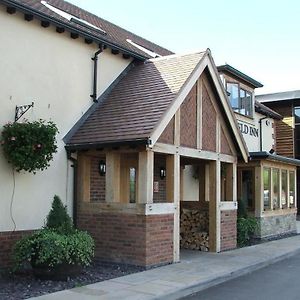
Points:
[49,248]
[58,218]
[57,243]
[246,227]
[29,146]
[242,209]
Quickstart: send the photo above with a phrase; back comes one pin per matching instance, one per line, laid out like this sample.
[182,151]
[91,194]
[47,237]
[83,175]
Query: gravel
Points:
[24,286]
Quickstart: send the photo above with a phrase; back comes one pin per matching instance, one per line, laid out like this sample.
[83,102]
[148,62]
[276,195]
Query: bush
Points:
[246,227]
[58,218]
[242,209]
[49,248]
[29,146]
[58,243]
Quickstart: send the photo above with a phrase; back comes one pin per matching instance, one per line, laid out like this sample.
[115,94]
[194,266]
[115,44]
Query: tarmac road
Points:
[279,281]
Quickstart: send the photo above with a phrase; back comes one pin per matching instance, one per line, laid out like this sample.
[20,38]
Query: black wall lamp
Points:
[102,167]
[162,172]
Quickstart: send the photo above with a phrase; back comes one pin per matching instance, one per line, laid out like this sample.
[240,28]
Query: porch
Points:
[131,199]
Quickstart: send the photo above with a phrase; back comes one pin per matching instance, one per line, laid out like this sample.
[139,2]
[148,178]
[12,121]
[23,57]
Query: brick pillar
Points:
[228,229]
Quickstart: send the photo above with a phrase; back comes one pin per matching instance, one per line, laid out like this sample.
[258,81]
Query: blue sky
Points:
[260,38]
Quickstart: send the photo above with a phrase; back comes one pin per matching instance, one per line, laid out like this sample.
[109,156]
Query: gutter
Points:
[75,166]
[260,131]
[58,23]
[95,59]
[111,144]
[267,155]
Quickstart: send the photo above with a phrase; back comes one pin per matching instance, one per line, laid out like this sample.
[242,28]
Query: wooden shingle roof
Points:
[132,109]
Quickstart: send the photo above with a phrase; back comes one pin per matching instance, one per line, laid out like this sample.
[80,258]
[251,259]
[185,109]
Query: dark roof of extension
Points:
[132,107]
[238,74]
[115,36]
[281,96]
[274,157]
[264,110]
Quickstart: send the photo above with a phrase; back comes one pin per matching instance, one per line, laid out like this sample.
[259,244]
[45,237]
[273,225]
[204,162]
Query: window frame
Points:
[279,187]
[286,205]
[296,127]
[269,168]
[289,188]
[240,99]
[240,187]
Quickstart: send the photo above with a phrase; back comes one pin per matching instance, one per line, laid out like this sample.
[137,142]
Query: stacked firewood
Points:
[194,230]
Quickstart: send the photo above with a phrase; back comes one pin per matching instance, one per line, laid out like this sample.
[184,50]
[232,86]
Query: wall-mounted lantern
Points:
[102,168]
[162,172]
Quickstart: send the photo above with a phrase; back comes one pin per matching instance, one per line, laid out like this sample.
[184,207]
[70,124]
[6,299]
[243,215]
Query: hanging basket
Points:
[29,146]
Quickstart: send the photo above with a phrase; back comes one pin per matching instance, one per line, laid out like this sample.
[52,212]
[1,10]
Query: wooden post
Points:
[230,182]
[173,195]
[259,199]
[199,114]
[214,206]
[112,188]
[234,182]
[84,167]
[177,128]
[145,177]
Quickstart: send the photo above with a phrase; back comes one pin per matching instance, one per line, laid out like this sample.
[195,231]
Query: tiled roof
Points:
[115,35]
[232,71]
[137,102]
[280,96]
[261,108]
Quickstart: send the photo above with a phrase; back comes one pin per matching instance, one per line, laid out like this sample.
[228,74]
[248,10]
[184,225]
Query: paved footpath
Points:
[195,272]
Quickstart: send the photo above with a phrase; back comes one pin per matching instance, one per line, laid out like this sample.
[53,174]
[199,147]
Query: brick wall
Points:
[159,239]
[129,238]
[160,196]
[228,229]
[97,188]
[7,242]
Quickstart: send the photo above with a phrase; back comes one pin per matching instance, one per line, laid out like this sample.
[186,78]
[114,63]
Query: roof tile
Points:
[136,104]
[114,34]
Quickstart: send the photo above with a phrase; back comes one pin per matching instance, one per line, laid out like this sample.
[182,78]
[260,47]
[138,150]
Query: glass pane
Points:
[297,115]
[292,188]
[275,188]
[297,141]
[247,188]
[132,185]
[284,188]
[267,188]
[233,89]
[297,132]
[246,103]
[250,104]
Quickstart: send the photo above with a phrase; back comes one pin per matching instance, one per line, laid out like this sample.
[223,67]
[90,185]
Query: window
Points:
[297,132]
[297,115]
[283,188]
[275,189]
[240,99]
[292,188]
[247,195]
[132,185]
[267,188]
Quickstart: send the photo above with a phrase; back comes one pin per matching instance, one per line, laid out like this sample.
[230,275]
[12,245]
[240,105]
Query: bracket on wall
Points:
[21,110]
